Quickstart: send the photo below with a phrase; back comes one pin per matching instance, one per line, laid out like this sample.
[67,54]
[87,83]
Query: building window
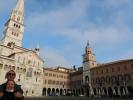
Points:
[18,80]
[107,70]
[118,68]
[36,79]
[92,72]
[29,73]
[23,60]
[53,82]
[29,61]
[18,19]
[97,72]
[1,65]
[86,79]
[38,64]
[18,59]
[34,63]
[46,74]
[112,69]
[101,71]
[19,77]
[107,79]
[131,66]
[125,67]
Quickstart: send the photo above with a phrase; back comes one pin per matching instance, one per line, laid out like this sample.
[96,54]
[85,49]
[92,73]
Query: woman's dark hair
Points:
[10,81]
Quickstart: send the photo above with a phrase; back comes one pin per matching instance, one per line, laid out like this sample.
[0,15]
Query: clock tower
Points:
[14,27]
[89,61]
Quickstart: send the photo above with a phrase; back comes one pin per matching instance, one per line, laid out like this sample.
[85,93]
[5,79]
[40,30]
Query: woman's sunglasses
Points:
[12,74]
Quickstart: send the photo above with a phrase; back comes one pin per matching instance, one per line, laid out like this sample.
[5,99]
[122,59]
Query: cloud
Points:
[117,3]
[106,24]
[128,54]
[111,4]
[61,22]
[60,18]
[53,58]
[71,22]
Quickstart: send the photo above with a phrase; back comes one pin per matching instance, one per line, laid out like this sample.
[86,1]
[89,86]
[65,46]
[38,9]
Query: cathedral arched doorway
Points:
[57,92]
[61,92]
[53,92]
[44,92]
[86,79]
[49,92]
[65,91]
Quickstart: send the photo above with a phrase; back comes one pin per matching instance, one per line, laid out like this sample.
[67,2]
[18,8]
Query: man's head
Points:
[10,75]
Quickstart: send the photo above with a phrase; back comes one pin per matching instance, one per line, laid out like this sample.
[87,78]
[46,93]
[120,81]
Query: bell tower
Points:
[89,61]
[89,57]
[14,27]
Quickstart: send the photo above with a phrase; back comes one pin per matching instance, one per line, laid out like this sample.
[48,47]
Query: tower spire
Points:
[88,44]
[18,12]
[20,6]
[37,49]
[14,27]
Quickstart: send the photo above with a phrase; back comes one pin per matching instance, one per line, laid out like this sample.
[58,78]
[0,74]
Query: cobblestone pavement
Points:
[73,98]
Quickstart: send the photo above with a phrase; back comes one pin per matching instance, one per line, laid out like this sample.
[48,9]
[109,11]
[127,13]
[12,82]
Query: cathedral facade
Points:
[26,63]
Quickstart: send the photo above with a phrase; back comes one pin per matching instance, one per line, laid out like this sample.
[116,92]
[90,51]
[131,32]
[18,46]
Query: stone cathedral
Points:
[26,63]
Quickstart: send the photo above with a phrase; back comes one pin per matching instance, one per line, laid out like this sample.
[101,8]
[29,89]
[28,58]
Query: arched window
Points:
[29,72]
[1,65]
[9,44]
[108,79]
[18,19]
[5,67]
[86,79]
[127,77]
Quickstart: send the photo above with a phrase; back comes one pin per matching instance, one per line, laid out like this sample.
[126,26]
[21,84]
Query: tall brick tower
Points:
[14,27]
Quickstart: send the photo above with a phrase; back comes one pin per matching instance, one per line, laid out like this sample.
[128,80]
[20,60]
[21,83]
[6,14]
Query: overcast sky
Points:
[63,27]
